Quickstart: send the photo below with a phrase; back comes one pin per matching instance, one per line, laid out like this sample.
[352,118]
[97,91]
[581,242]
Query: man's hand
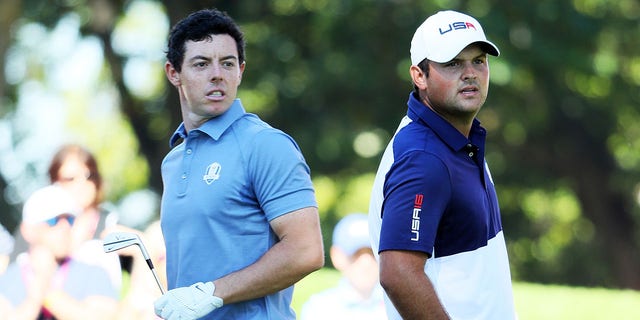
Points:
[188,303]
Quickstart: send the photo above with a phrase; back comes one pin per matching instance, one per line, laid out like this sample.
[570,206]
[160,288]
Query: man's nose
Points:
[469,71]
[216,73]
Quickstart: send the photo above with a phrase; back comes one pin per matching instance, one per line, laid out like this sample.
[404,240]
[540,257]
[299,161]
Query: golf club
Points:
[119,240]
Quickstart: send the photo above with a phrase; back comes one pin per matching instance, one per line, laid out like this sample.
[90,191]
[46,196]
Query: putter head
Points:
[119,240]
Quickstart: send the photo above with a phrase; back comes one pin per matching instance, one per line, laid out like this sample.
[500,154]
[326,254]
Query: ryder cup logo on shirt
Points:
[212,173]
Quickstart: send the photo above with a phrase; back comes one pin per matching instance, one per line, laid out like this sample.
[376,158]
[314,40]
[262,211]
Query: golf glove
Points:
[188,303]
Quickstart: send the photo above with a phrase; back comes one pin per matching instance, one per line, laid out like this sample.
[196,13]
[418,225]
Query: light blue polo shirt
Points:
[433,193]
[223,184]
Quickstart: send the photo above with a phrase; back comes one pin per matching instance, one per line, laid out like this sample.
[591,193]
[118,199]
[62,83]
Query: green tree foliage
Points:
[564,146]
[562,109]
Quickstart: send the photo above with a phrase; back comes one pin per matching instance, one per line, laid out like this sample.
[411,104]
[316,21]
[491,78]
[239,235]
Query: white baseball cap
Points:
[352,233]
[443,35]
[46,203]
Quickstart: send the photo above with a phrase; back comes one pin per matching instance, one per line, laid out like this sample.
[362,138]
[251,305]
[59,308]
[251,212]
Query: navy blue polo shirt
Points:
[438,197]
[433,193]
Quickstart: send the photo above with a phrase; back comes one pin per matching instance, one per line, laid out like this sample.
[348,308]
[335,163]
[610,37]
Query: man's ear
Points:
[418,77]
[172,74]
[242,66]
[339,259]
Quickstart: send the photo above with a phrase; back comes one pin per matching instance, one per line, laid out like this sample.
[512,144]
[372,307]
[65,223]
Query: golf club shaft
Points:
[155,275]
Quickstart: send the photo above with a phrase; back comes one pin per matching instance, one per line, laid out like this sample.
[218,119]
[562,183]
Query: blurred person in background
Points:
[46,282]
[75,169]
[6,247]
[358,295]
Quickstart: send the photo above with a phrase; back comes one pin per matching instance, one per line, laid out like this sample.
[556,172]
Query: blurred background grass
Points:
[533,301]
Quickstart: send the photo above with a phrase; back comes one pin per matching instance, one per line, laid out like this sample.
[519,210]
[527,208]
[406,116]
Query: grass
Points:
[536,301]
[533,301]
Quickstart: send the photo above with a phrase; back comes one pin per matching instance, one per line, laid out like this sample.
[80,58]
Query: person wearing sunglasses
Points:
[47,283]
[74,168]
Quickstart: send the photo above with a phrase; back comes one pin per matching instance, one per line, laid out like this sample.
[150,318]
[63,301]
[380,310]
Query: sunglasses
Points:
[76,178]
[54,221]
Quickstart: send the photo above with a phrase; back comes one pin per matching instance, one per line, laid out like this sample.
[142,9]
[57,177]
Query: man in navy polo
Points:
[434,216]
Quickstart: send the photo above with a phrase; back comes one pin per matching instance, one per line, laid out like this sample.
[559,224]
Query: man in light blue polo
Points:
[434,217]
[239,215]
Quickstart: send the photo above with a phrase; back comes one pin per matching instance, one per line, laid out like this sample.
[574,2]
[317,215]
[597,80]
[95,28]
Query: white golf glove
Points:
[188,303]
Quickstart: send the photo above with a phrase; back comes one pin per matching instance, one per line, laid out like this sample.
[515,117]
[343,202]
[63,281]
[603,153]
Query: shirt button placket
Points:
[470,147]
[186,166]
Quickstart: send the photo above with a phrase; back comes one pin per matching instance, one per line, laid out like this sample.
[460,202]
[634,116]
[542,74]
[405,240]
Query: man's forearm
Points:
[298,253]
[417,300]
[410,290]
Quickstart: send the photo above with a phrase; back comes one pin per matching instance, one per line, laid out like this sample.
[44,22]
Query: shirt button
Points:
[188,151]
[184,176]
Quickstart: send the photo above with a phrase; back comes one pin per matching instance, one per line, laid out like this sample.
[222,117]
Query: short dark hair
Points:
[424,66]
[198,26]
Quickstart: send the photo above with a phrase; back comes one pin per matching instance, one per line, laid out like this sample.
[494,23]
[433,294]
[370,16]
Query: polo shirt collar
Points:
[449,134]
[214,127]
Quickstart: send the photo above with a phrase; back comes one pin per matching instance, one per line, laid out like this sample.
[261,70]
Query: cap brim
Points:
[490,48]
[444,57]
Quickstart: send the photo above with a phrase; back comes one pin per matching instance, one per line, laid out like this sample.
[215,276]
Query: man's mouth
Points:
[215,94]
[469,89]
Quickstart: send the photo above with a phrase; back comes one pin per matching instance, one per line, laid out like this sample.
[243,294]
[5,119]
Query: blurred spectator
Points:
[6,247]
[137,302]
[75,169]
[46,282]
[358,294]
